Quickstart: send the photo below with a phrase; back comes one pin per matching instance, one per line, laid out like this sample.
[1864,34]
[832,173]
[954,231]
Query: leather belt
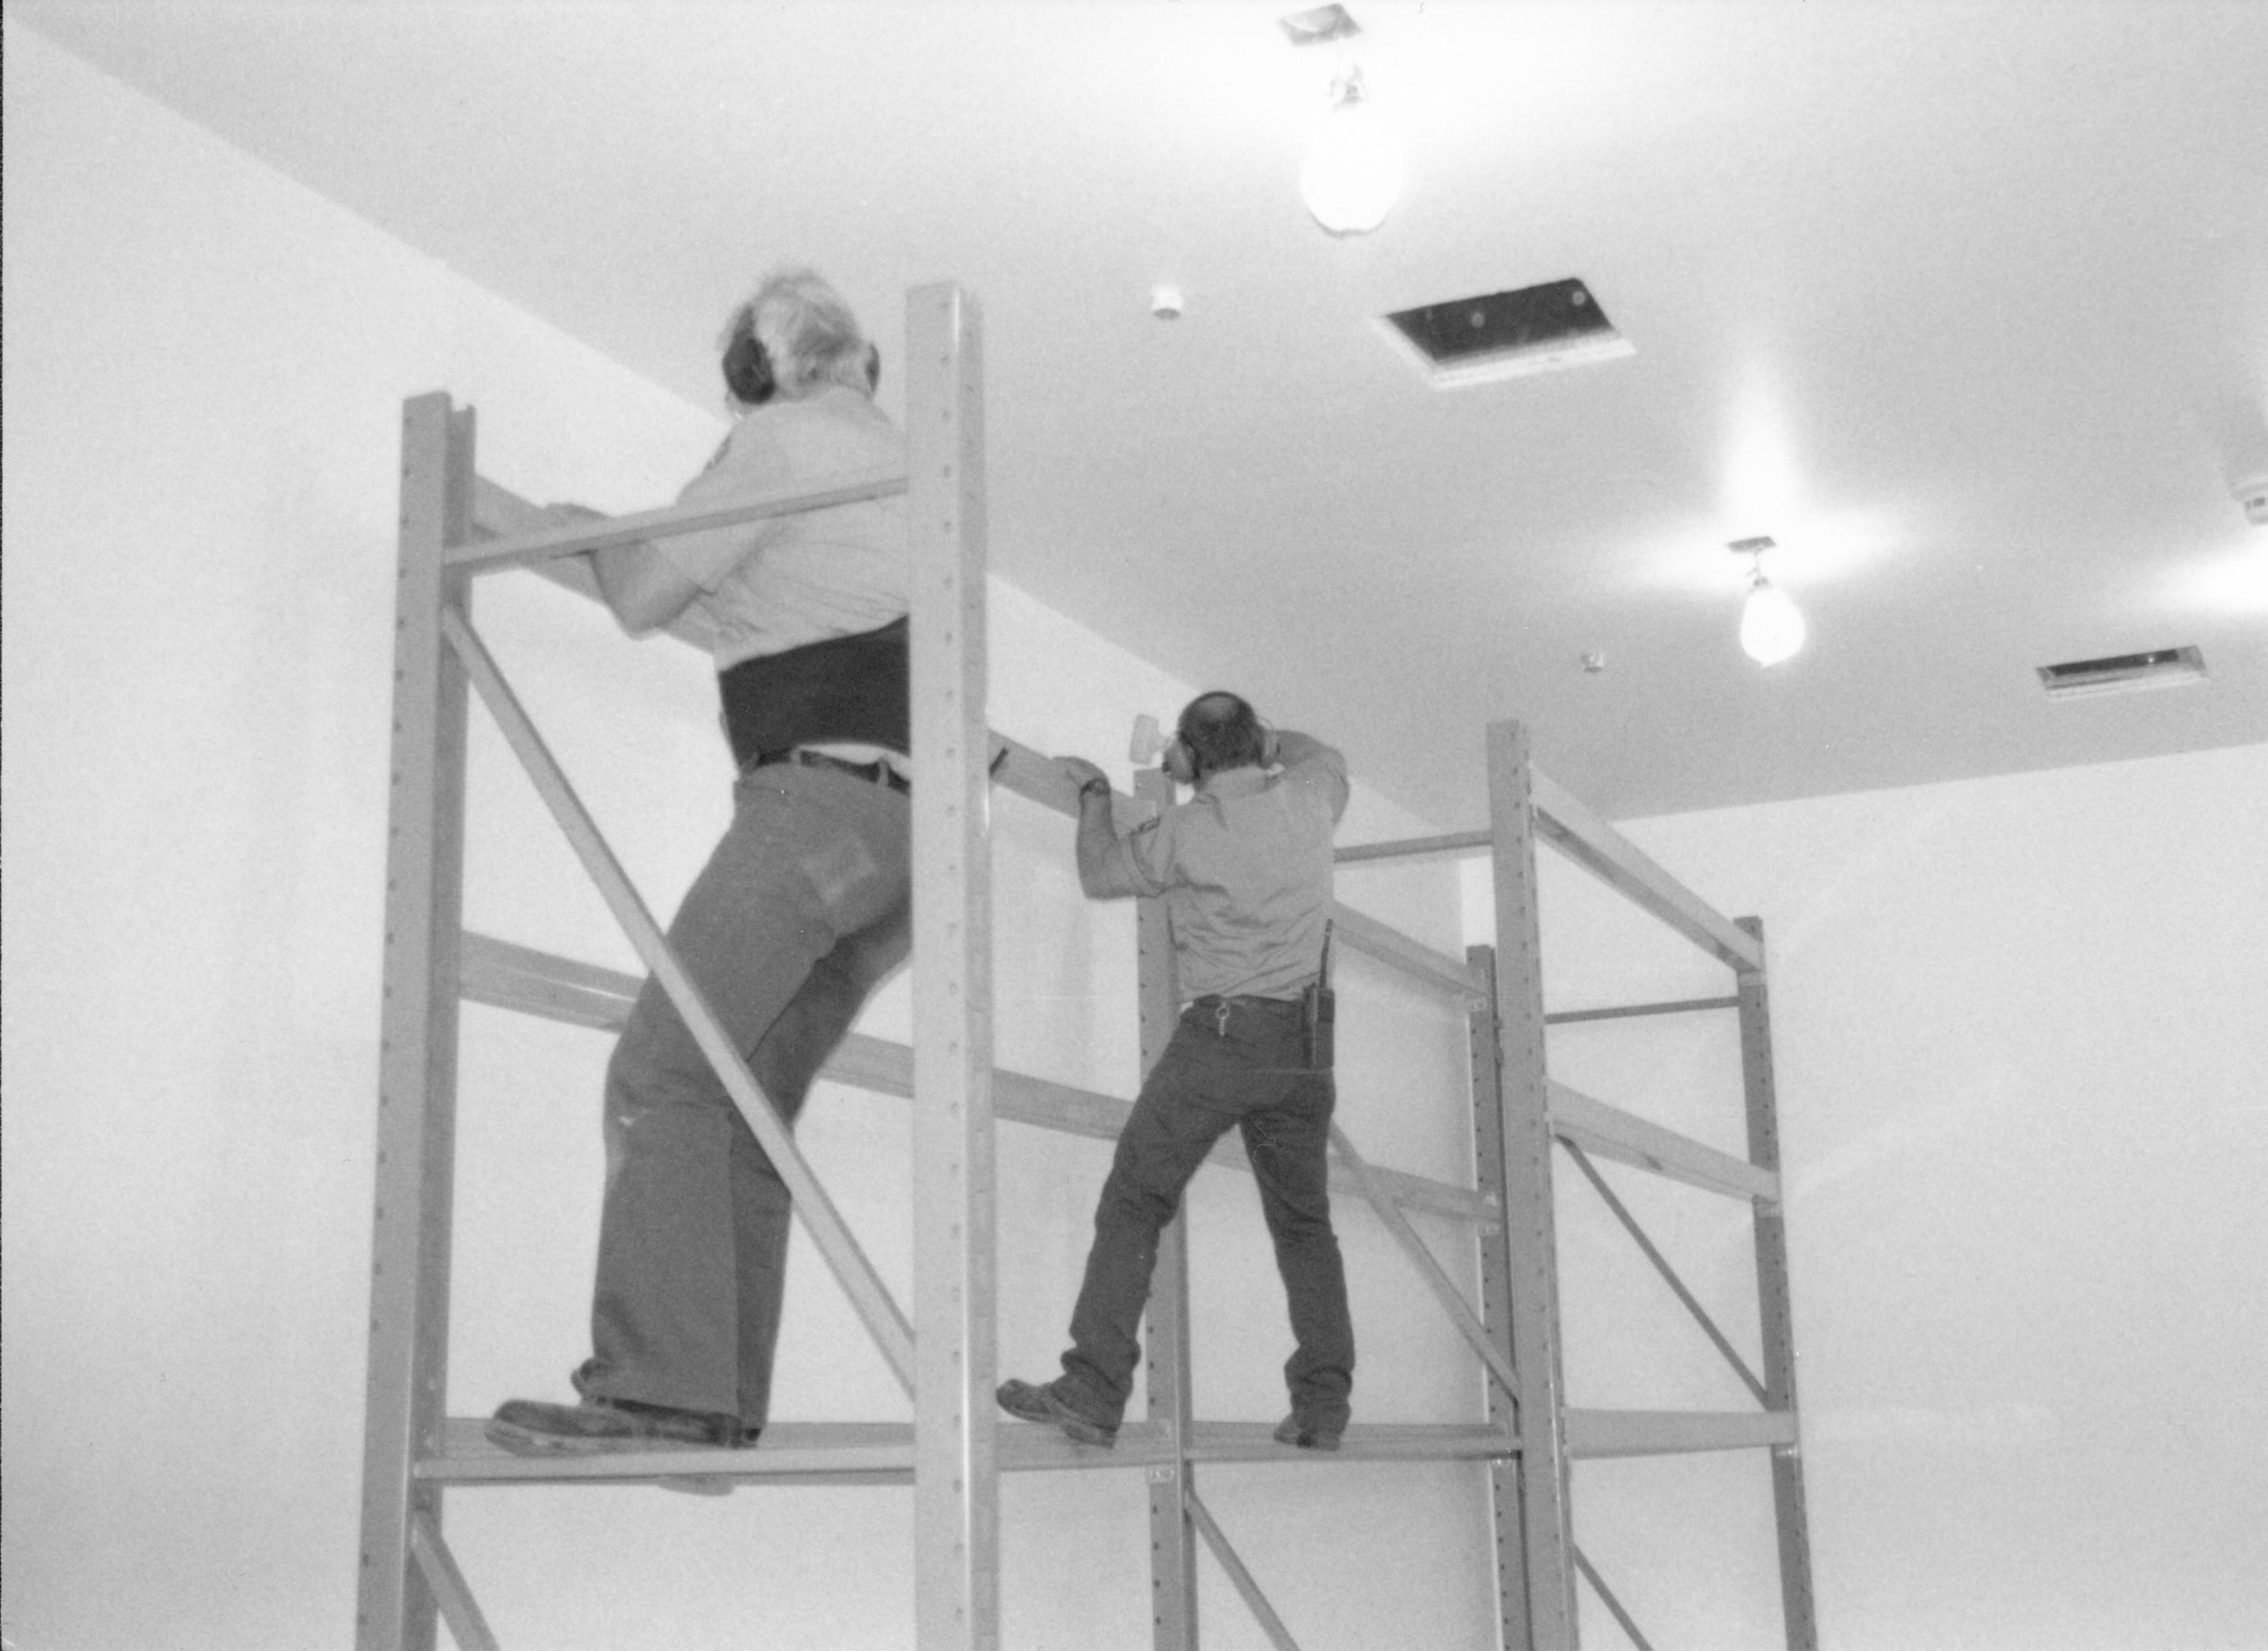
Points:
[1218,1009]
[875,773]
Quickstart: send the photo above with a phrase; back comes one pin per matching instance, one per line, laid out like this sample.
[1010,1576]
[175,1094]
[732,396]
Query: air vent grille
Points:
[2123,673]
[1502,335]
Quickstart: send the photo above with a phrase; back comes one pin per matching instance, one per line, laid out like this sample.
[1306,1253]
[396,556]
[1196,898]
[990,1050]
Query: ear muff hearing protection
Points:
[749,370]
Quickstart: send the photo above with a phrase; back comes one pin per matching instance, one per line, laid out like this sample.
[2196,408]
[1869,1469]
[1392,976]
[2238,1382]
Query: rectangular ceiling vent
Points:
[1506,335]
[2123,673]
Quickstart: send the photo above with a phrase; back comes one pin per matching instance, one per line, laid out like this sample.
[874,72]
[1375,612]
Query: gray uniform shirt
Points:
[1245,868]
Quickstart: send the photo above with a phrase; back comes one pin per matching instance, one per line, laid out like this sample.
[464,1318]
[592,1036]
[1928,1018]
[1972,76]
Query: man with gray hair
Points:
[803,908]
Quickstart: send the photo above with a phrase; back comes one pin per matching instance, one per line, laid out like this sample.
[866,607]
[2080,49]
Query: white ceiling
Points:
[1967,306]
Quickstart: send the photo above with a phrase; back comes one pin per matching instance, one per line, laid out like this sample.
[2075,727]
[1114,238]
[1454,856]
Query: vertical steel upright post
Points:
[1546,1532]
[1797,1609]
[956,1468]
[1496,1300]
[417,1036]
[1173,1537]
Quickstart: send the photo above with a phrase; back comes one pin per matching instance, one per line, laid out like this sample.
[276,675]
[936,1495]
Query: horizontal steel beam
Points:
[1456,843]
[1614,1134]
[1584,837]
[506,976]
[528,544]
[1386,945]
[1596,1433]
[500,514]
[885,1068]
[1037,778]
[1625,1012]
[882,1453]
[1591,843]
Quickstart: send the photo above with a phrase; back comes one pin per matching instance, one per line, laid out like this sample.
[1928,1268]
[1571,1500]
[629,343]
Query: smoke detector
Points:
[2123,673]
[1507,334]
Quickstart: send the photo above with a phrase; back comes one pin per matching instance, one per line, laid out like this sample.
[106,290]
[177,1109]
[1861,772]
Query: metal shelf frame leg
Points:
[1546,1534]
[1496,1304]
[1791,1518]
[1165,1331]
[956,1462]
[395,1609]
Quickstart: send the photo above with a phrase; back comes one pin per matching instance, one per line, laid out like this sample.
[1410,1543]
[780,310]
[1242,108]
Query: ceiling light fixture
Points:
[1353,175]
[1772,626]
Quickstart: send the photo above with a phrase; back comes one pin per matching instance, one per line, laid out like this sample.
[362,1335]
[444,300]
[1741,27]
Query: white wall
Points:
[205,364]
[2019,1020]
[2022,1037]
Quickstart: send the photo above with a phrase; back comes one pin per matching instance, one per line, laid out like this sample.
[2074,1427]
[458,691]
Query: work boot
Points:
[531,1427]
[1310,1431]
[1045,1403]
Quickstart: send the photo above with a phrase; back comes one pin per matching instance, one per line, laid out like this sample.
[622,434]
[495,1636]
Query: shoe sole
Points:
[528,1442]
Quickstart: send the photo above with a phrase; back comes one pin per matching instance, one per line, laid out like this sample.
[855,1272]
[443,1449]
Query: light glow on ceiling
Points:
[2233,582]
[1761,481]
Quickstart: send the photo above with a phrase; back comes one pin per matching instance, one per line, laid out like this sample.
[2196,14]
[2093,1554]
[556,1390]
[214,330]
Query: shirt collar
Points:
[1235,781]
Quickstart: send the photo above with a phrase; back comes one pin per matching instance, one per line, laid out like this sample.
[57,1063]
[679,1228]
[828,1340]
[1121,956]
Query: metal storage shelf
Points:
[882,1453]
[456,525]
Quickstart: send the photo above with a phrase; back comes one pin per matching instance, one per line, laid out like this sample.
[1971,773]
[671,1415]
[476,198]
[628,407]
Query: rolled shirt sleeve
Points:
[1324,776]
[1148,855]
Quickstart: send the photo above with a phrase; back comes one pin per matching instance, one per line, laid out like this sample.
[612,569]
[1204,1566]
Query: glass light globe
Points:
[1353,175]
[1772,627]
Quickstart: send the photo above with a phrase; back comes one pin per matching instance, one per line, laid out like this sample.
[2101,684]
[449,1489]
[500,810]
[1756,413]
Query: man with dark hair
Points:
[1219,731]
[1245,870]
[803,908]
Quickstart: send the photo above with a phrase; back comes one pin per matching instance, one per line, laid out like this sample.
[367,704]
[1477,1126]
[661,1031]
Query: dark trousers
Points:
[803,908]
[1244,1069]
